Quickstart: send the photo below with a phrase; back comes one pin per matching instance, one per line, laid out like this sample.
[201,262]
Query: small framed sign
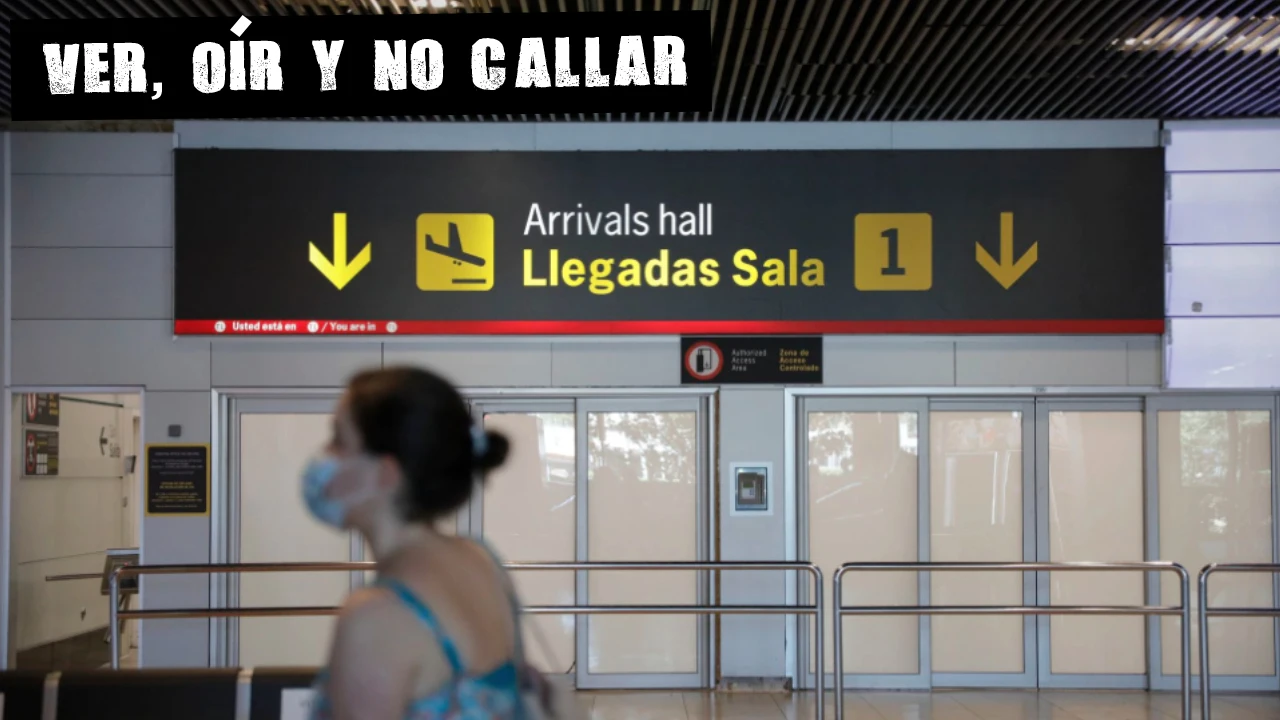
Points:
[177,479]
[752,494]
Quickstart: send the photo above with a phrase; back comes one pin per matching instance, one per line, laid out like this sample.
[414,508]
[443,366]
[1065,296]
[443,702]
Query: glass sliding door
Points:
[1211,499]
[644,499]
[273,440]
[1189,479]
[982,509]
[527,511]
[1089,493]
[861,464]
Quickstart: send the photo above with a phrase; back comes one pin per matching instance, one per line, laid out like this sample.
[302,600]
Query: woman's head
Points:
[404,445]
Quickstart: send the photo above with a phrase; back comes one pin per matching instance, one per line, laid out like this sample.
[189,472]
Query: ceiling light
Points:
[1221,34]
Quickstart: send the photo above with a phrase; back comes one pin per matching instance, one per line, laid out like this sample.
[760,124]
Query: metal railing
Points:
[815,609]
[840,611]
[1205,612]
[73,576]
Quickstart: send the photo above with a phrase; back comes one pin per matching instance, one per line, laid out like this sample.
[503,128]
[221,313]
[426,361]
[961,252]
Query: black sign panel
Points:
[1036,241]
[40,453]
[42,409]
[177,479]
[339,65]
[782,360]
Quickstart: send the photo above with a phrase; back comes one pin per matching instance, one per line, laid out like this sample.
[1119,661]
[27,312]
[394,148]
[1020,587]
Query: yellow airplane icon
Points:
[455,251]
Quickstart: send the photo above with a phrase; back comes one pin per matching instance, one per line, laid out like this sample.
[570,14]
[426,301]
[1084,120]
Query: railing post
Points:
[113,614]
[818,648]
[837,640]
[1184,584]
[1202,615]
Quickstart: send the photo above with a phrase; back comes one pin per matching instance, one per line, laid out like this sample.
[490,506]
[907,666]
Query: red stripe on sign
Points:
[669,327]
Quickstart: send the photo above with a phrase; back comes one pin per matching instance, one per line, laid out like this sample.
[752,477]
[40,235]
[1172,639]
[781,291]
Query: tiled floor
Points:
[958,705]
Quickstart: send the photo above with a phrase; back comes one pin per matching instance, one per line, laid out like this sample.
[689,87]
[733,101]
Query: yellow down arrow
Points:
[1006,271]
[340,271]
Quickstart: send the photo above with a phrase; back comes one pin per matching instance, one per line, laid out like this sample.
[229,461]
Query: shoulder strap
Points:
[428,618]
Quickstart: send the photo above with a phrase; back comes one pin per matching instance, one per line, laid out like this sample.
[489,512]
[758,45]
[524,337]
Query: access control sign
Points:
[694,243]
[754,359]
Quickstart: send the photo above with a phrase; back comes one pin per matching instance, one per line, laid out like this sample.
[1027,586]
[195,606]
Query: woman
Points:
[437,636]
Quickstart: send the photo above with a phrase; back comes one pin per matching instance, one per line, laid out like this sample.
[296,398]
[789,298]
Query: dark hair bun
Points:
[420,420]
[495,451]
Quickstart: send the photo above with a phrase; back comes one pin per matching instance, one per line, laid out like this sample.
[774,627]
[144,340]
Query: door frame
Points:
[1025,407]
[1151,398]
[1047,678]
[225,402]
[224,589]
[471,516]
[704,448]
[800,588]
[8,591]
[1221,401]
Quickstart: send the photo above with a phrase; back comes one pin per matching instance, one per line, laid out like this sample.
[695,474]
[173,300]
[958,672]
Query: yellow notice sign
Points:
[455,252]
[893,251]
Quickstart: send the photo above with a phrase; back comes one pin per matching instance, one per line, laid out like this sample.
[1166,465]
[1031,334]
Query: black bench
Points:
[267,686]
[23,692]
[196,694]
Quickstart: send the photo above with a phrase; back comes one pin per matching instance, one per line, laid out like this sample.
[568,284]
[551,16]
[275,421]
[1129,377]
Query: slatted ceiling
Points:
[877,60]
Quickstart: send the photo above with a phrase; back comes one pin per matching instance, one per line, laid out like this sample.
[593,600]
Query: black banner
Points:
[177,479]
[42,409]
[1037,241]
[40,453]
[781,360]
[314,66]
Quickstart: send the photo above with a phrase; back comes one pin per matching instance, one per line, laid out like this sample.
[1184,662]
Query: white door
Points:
[273,441]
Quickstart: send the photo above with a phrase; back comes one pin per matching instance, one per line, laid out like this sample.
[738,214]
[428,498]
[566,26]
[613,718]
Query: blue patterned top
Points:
[495,695]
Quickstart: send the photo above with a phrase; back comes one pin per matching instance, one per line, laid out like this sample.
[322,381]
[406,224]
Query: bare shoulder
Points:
[367,607]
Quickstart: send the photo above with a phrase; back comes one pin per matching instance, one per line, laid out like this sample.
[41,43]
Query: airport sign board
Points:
[692,243]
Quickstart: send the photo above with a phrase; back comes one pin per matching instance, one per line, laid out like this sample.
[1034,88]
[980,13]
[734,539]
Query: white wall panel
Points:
[63,523]
[65,517]
[1223,147]
[190,409]
[1146,361]
[751,430]
[102,284]
[1224,237]
[1224,280]
[92,211]
[175,643]
[605,364]
[851,361]
[1028,135]
[50,611]
[75,153]
[1224,207]
[714,136]
[108,353]
[287,364]
[1224,353]
[306,135]
[1042,361]
[478,364]
[666,136]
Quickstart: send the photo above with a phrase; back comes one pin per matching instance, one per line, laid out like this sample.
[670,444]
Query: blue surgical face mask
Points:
[316,479]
